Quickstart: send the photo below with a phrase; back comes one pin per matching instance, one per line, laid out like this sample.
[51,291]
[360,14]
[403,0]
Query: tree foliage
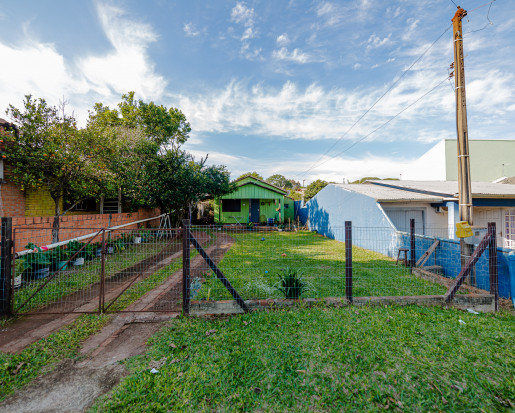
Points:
[176,182]
[281,181]
[49,151]
[135,148]
[314,188]
[254,174]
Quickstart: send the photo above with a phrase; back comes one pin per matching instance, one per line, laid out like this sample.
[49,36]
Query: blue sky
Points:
[272,86]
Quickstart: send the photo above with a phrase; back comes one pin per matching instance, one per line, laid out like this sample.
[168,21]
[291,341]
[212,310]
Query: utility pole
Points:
[465,196]
[464,184]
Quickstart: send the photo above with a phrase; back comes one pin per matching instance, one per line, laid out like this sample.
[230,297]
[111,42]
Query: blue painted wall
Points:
[448,257]
[372,229]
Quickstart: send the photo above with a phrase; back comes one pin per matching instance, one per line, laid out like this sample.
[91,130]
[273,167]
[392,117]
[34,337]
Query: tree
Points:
[176,182]
[372,178]
[280,181]
[314,188]
[296,196]
[160,125]
[254,174]
[144,132]
[49,151]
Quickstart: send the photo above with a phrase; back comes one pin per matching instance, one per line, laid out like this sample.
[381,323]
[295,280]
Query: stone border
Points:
[478,302]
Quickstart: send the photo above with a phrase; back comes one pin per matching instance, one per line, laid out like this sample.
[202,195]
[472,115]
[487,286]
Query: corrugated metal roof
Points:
[384,194]
[510,180]
[450,188]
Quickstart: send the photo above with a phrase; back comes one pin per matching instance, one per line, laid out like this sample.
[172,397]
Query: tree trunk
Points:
[55,225]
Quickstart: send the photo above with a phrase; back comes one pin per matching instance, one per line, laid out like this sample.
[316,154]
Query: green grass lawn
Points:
[326,359]
[252,265]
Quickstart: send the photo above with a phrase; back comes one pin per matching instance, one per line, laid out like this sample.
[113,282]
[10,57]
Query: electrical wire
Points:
[452,1]
[375,103]
[384,124]
[490,23]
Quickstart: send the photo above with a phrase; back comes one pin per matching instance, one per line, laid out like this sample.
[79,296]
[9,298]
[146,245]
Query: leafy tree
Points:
[280,181]
[49,151]
[176,182]
[371,178]
[254,174]
[160,125]
[314,188]
[296,196]
[144,133]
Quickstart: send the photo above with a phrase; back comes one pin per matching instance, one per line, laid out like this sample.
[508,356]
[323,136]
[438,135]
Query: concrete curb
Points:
[478,302]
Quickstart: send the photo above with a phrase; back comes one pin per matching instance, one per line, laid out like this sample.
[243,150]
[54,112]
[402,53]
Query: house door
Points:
[254,210]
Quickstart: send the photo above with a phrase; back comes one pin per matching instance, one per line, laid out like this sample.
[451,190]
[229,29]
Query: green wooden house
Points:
[254,201]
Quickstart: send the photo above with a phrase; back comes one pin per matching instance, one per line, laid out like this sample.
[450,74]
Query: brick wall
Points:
[38,230]
[12,200]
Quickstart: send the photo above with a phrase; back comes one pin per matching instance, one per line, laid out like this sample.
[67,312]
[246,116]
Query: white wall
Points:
[429,167]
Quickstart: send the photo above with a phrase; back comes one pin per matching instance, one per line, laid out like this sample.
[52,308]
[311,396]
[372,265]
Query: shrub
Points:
[291,284]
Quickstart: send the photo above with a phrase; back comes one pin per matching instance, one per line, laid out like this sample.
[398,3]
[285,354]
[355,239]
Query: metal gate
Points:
[99,270]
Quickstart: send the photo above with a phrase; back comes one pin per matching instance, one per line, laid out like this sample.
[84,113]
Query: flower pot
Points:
[78,261]
[137,240]
[62,265]
[17,281]
[41,273]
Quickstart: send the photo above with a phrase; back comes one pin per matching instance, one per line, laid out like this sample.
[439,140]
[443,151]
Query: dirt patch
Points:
[74,385]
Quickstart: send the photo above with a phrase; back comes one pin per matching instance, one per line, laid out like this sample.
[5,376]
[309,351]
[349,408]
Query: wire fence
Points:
[108,271]
[161,270]
[260,263]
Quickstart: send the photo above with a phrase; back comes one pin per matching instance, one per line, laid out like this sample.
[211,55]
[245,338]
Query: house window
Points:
[509,228]
[231,205]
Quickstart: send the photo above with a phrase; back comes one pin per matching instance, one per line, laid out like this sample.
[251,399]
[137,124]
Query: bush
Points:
[291,284]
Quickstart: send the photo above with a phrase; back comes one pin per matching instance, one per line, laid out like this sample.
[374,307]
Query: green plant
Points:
[74,247]
[291,284]
[36,260]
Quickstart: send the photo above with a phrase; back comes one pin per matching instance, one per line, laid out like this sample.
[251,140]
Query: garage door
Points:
[401,219]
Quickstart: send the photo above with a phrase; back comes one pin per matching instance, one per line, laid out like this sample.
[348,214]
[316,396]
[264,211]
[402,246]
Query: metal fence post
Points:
[6,267]
[186,266]
[101,295]
[412,244]
[492,264]
[348,260]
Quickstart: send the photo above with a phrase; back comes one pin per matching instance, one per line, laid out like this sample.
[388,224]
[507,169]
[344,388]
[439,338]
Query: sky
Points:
[273,86]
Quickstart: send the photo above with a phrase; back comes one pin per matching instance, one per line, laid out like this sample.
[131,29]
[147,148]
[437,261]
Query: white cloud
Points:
[283,40]
[374,41]
[190,30]
[330,12]
[127,66]
[296,55]
[242,14]
[313,112]
[38,68]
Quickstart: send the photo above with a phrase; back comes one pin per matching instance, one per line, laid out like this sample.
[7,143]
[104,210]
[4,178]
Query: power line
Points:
[452,1]
[383,125]
[490,23]
[376,102]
